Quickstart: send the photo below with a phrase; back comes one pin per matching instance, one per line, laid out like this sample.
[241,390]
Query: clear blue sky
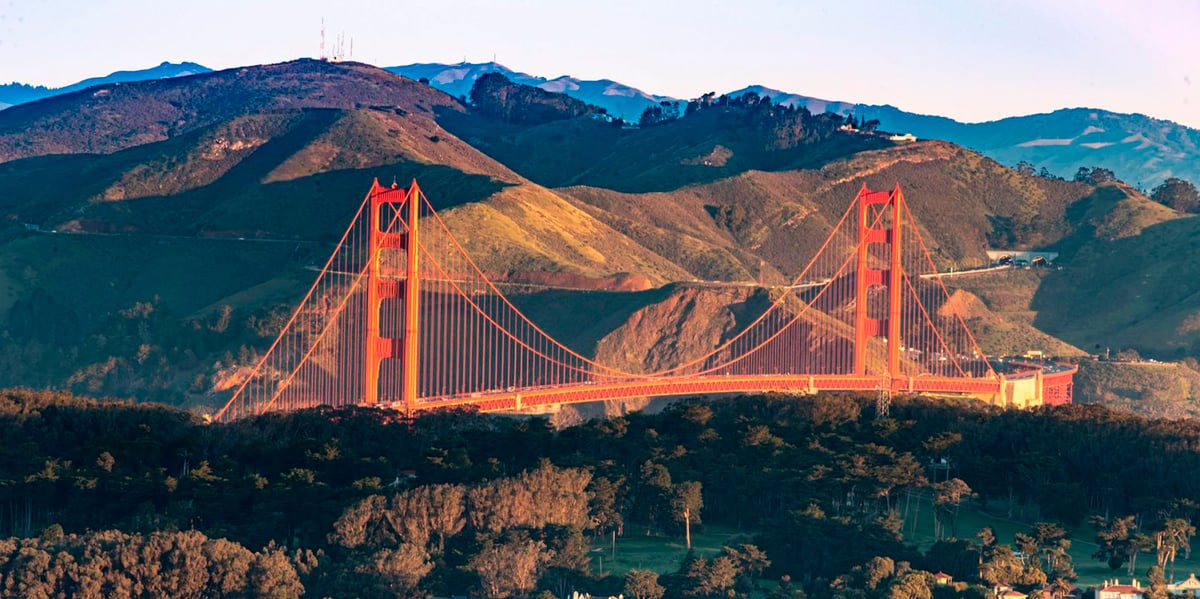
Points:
[971,60]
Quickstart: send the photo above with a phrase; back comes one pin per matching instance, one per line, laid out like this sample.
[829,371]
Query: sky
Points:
[972,60]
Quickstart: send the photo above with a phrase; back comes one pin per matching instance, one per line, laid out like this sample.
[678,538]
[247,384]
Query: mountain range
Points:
[1141,150]
[154,235]
[14,93]
[619,100]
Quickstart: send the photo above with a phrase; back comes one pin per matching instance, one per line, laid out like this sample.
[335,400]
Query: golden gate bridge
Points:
[401,317]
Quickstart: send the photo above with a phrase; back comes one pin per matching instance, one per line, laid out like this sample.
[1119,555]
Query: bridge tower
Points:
[392,209]
[886,209]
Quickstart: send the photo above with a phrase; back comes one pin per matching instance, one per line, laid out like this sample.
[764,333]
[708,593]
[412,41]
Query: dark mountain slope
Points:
[114,117]
[709,144]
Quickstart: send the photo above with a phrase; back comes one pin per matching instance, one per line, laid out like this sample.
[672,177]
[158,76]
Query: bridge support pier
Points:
[384,236]
[889,233]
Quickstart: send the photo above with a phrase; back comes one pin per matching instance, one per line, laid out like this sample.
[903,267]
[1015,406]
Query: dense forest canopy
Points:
[362,502]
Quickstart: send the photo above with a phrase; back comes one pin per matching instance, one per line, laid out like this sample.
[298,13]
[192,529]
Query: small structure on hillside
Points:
[1054,592]
[1189,587]
[1022,257]
[1113,589]
[1003,591]
[942,579]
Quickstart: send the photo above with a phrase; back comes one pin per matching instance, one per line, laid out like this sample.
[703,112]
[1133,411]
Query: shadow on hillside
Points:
[1139,291]
[697,149]
[313,207]
[557,312]
[45,188]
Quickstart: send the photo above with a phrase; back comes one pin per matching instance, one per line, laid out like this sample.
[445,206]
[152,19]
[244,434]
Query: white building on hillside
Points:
[1113,589]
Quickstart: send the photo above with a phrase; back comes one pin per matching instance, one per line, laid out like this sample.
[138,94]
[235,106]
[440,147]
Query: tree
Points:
[1158,583]
[914,584]
[987,541]
[750,561]
[446,511]
[399,568]
[1177,193]
[606,503]
[947,496]
[1119,541]
[508,569]
[662,112]
[643,584]
[1172,535]
[1026,168]
[876,571]
[1003,567]
[1049,544]
[652,493]
[785,590]
[686,503]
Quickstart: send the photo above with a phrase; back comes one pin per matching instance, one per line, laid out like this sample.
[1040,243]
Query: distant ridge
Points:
[814,105]
[1141,150]
[19,93]
[617,99]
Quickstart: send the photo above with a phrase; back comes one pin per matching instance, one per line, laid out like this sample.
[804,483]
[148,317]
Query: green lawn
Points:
[662,554]
[1089,570]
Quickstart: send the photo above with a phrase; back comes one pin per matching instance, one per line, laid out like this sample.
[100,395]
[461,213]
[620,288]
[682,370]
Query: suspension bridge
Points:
[401,317]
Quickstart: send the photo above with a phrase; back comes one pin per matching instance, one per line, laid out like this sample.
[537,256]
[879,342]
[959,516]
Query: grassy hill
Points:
[1126,281]
[117,116]
[769,224]
[1167,390]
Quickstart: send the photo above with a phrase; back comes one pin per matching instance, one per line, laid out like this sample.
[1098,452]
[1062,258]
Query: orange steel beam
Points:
[371,351]
[412,298]
[681,386]
[894,283]
[860,286]
[865,277]
[378,347]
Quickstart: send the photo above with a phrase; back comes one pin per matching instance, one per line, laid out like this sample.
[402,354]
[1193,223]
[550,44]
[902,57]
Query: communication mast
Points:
[338,52]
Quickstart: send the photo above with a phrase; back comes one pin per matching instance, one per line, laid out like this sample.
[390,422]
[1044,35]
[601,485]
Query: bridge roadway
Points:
[988,389]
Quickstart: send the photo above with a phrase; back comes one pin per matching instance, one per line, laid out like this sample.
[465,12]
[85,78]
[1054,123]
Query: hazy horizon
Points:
[973,62]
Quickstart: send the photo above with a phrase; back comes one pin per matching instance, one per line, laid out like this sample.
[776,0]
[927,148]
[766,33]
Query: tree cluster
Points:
[780,126]
[140,350]
[1029,170]
[113,564]
[1094,176]
[494,95]
[659,113]
[1178,194]
[368,504]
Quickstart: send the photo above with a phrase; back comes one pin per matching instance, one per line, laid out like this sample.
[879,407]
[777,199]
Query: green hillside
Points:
[1127,280]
